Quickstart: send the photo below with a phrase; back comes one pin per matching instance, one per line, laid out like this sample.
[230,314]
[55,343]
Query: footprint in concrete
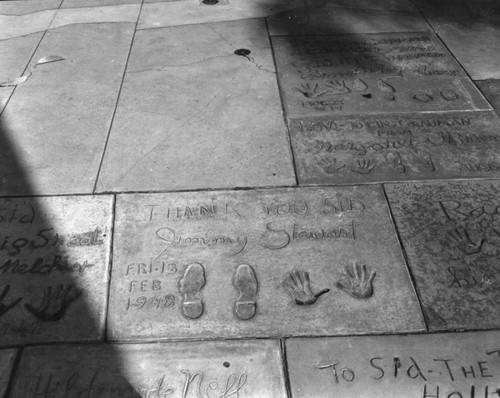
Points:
[190,286]
[245,281]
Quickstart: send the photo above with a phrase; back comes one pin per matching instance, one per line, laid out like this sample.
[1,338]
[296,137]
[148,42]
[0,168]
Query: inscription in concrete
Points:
[176,370]
[451,233]
[395,148]
[279,262]
[7,358]
[371,73]
[54,254]
[465,365]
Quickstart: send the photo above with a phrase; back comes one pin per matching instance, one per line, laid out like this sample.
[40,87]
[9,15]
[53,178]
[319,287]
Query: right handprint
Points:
[357,282]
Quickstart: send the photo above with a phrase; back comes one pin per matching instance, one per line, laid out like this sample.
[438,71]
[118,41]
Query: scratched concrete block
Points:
[208,118]
[371,73]
[350,150]
[309,261]
[202,369]
[456,365]
[451,235]
[54,255]
[7,358]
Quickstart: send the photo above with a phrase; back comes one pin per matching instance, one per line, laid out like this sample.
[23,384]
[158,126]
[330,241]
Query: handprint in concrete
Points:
[298,285]
[357,283]
[460,238]
[55,303]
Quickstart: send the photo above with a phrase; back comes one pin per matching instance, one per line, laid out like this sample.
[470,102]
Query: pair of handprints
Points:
[358,283]
[54,304]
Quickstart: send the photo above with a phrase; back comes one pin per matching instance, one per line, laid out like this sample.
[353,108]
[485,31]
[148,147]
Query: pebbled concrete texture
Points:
[316,180]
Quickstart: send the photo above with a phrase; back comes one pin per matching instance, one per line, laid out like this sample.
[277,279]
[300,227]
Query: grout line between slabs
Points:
[280,95]
[110,268]
[405,257]
[117,99]
[31,58]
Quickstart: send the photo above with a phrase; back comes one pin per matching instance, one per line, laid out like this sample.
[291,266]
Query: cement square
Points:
[54,262]
[387,5]
[403,147]
[111,13]
[198,369]
[19,7]
[491,90]
[450,232]
[420,366]
[371,73]
[25,24]
[58,120]
[471,30]
[7,358]
[260,263]
[95,3]
[190,12]
[207,117]
[314,20]
[15,54]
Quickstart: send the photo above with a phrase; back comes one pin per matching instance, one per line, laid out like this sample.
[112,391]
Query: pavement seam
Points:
[285,117]
[405,256]
[117,99]
[31,59]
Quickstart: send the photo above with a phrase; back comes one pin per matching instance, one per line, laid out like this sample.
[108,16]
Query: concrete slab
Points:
[386,5]
[20,7]
[188,12]
[470,30]
[377,73]
[59,119]
[116,13]
[450,234]
[281,262]
[207,118]
[320,21]
[396,148]
[202,369]
[21,25]
[15,54]
[7,358]
[491,90]
[438,365]
[96,3]
[54,260]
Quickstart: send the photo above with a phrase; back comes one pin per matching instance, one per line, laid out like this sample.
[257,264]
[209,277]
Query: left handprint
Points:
[55,303]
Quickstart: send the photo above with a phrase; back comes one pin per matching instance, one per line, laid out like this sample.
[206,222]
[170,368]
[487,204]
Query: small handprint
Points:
[309,91]
[55,303]
[397,162]
[298,286]
[4,308]
[330,167]
[337,87]
[357,283]
[460,238]
[364,166]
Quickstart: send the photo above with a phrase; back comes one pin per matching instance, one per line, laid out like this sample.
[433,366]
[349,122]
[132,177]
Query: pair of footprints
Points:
[244,281]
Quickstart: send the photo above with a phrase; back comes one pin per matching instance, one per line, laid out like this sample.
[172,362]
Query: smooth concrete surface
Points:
[209,118]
